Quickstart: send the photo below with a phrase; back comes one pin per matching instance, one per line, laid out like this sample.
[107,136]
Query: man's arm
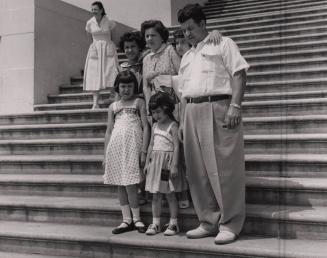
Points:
[233,115]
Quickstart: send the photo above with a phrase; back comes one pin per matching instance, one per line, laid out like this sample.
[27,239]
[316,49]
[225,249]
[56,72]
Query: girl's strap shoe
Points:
[123,227]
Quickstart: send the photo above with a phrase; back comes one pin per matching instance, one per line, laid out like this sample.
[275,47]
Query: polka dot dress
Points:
[124,148]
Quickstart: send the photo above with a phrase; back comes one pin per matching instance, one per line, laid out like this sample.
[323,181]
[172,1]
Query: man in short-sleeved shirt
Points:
[212,82]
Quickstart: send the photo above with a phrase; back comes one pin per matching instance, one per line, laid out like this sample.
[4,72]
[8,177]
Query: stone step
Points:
[287,165]
[288,56]
[32,255]
[55,185]
[213,11]
[266,8]
[260,189]
[288,64]
[286,74]
[277,43]
[289,107]
[52,131]
[97,241]
[67,106]
[286,191]
[55,146]
[77,97]
[281,26]
[227,6]
[291,50]
[299,221]
[276,34]
[55,117]
[70,88]
[281,125]
[286,221]
[285,95]
[285,86]
[49,164]
[286,143]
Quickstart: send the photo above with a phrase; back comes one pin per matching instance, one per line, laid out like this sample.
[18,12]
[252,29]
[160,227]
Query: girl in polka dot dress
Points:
[126,143]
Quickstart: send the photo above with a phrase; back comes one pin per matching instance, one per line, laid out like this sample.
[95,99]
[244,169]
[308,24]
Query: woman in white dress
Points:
[101,66]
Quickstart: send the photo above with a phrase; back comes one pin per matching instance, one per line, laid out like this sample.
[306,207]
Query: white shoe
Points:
[199,232]
[171,230]
[225,237]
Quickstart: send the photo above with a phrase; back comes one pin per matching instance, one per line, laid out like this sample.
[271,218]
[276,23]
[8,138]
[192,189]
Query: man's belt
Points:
[212,98]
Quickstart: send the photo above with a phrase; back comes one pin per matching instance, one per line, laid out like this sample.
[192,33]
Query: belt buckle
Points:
[209,98]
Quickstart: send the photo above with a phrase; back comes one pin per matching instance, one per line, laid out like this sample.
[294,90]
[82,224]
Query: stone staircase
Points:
[53,202]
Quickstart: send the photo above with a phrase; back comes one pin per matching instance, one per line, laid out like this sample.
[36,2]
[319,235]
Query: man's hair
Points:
[191,11]
[131,37]
[157,26]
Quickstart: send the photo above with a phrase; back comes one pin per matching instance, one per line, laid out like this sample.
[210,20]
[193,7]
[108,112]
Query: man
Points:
[212,84]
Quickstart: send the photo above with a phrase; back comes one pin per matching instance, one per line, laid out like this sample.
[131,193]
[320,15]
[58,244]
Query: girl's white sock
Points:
[126,211]
[156,221]
[136,214]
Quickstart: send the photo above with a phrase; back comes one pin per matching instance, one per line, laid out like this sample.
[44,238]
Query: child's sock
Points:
[156,221]
[136,214]
[126,211]
[173,221]
[136,217]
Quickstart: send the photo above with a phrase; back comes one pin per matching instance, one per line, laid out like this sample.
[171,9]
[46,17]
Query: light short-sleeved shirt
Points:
[207,69]
[102,31]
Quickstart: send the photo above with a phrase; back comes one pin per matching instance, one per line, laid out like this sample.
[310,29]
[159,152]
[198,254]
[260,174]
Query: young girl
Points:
[101,66]
[162,175]
[126,143]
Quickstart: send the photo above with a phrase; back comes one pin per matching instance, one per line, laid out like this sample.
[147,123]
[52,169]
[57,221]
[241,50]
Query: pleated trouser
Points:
[215,166]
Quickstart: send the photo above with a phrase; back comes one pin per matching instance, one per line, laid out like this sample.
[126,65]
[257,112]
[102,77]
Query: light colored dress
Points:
[161,159]
[122,165]
[101,66]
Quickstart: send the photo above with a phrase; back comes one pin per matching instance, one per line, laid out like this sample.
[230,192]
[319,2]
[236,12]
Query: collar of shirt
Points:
[163,46]
[200,44]
[102,20]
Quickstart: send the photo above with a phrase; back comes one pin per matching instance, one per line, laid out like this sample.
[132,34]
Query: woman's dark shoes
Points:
[123,227]
[139,226]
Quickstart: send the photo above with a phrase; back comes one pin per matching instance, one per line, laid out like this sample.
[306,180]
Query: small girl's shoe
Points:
[171,230]
[153,229]
[123,227]
[140,227]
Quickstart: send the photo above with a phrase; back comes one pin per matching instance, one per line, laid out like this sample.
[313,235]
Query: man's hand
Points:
[233,117]
[215,37]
